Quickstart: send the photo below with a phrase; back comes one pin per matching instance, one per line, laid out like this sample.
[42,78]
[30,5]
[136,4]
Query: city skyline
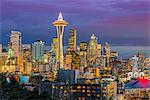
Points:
[75,49]
[120,23]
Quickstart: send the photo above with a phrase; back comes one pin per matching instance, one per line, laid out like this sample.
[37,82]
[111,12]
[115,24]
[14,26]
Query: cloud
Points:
[134,5]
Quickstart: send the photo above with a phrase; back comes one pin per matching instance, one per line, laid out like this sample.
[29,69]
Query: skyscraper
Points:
[83,46]
[37,50]
[94,49]
[15,42]
[107,54]
[60,24]
[67,61]
[83,55]
[72,40]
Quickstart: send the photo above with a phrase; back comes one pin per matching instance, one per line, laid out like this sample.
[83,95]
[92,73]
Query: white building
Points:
[15,42]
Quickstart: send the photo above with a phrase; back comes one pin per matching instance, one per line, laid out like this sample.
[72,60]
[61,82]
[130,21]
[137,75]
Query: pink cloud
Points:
[134,21]
[135,5]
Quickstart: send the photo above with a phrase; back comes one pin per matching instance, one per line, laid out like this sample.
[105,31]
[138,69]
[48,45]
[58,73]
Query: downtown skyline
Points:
[118,22]
[75,49]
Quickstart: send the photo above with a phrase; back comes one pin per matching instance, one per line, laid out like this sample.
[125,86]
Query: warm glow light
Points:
[143,81]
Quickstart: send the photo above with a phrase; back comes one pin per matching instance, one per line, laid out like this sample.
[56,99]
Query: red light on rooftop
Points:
[143,81]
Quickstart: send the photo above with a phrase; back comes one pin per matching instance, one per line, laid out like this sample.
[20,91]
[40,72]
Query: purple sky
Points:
[120,22]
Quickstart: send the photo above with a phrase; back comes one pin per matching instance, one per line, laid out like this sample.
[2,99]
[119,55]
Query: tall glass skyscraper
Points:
[37,50]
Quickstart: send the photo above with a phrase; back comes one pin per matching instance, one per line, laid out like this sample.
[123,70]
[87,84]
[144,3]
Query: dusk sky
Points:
[119,22]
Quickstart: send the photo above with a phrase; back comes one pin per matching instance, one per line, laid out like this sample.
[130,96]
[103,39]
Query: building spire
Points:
[93,36]
[60,16]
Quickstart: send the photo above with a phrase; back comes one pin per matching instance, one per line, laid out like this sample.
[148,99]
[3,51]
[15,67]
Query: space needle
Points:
[60,23]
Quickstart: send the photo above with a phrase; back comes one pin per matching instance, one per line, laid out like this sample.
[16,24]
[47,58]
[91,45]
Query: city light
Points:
[44,57]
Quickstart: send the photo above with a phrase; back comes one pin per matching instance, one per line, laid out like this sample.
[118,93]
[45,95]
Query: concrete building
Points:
[15,42]
[72,40]
[83,46]
[68,76]
[52,59]
[94,49]
[37,50]
[83,54]
[106,55]
[108,89]
[55,46]
[67,61]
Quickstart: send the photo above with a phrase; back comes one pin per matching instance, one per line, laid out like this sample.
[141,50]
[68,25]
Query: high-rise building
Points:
[72,40]
[94,49]
[53,61]
[99,50]
[83,46]
[27,58]
[15,46]
[60,24]
[76,61]
[15,42]
[83,55]
[106,58]
[37,50]
[67,61]
[10,54]
[109,89]
[0,50]
[55,49]
[72,61]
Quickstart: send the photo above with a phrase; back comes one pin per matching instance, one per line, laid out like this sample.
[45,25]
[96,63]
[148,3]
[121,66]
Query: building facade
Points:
[94,49]
[37,50]
[72,40]
[15,42]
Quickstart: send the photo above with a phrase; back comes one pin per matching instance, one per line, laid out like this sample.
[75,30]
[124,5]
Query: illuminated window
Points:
[78,87]
[88,87]
[88,94]
[61,87]
[88,91]
[98,95]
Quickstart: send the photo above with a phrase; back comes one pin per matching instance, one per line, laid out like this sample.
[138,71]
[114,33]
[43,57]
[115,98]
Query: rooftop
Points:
[139,83]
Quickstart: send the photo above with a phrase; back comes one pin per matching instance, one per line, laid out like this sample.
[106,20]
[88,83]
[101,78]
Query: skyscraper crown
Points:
[93,36]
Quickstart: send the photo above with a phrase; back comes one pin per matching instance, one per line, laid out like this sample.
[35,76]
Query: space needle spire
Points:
[60,23]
